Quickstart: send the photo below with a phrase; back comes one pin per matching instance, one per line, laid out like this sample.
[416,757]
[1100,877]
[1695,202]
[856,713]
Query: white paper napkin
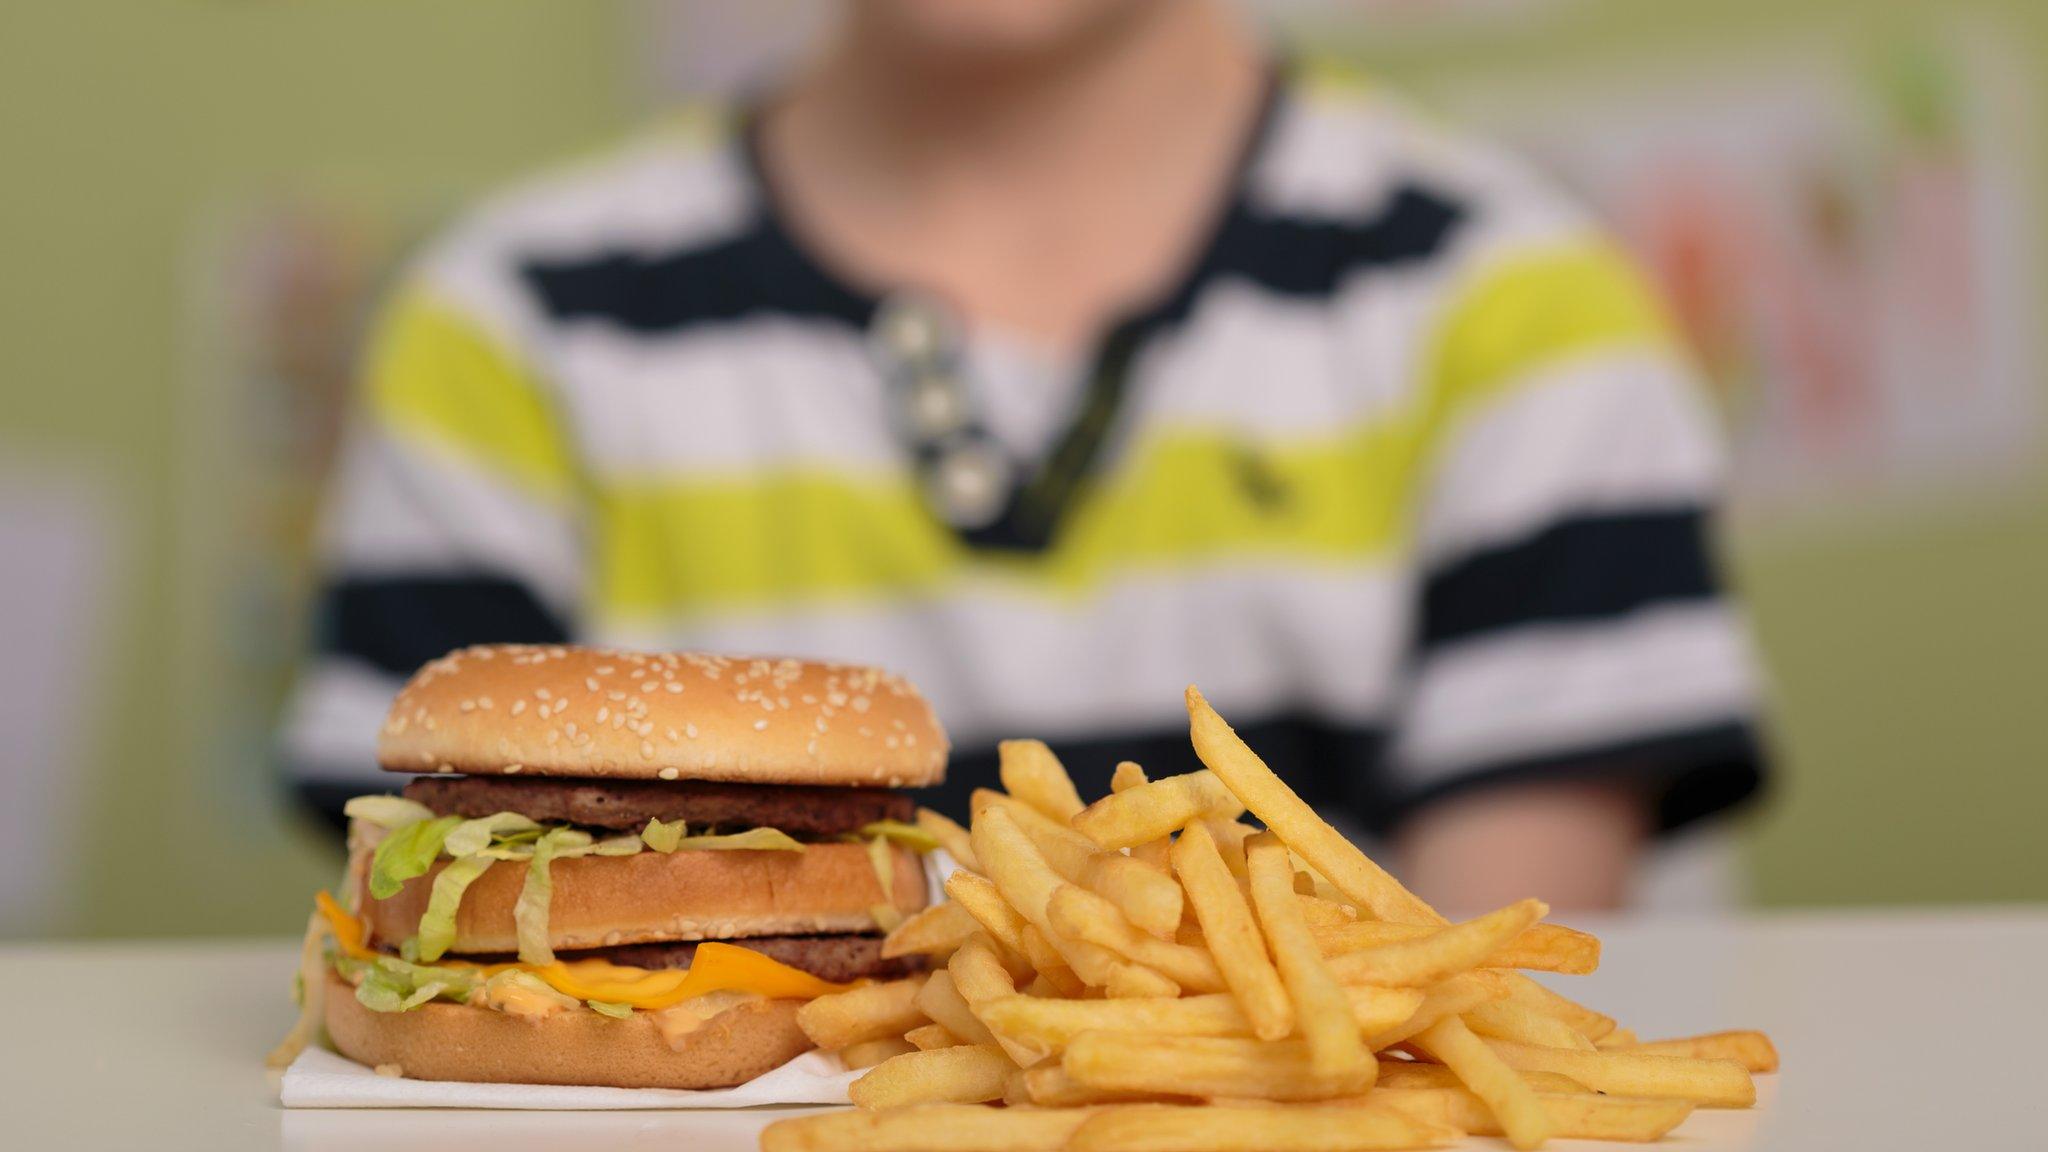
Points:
[322,1079]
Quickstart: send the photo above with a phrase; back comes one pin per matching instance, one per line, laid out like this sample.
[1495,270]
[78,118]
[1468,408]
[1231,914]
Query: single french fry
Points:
[1752,1050]
[1082,915]
[1415,1074]
[1128,775]
[1621,1038]
[1505,1020]
[869,1012]
[869,1053]
[1031,773]
[1709,1083]
[980,899]
[1253,1128]
[1543,948]
[1049,1024]
[941,1001]
[1015,864]
[1429,959]
[1155,809]
[1527,992]
[1232,935]
[1572,1116]
[1049,1086]
[926,1037]
[951,836]
[963,1074]
[1362,882]
[1453,997]
[1322,1011]
[1520,1114]
[1204,1066]
[935,931]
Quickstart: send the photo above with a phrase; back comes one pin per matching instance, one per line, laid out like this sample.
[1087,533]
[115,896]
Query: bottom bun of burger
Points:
[439,1041]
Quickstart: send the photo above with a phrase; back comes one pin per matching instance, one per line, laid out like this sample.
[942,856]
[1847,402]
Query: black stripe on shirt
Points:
[761,271]
[754,272]
[1583,569]
[398,623]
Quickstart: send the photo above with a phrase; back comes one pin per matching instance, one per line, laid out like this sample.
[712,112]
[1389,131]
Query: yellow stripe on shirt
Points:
[436,375]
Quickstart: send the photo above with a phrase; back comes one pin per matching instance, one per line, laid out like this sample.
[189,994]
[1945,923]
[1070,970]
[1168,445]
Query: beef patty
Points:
[628,804]
[840,959]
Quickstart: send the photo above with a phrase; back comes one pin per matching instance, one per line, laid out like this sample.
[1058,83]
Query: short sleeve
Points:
[1570,620]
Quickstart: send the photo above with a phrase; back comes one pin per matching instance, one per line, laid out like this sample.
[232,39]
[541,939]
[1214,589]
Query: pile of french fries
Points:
[1152,972]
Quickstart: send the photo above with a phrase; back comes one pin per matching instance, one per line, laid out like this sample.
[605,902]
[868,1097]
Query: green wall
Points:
[1913,720]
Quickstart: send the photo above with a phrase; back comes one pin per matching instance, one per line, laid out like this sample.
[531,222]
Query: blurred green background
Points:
[1906,646]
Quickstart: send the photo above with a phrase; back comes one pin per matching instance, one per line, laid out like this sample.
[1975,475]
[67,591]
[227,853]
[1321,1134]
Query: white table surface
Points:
[1903,1030]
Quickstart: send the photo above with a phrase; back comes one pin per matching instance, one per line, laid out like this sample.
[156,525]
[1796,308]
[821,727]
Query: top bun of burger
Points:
[583,712]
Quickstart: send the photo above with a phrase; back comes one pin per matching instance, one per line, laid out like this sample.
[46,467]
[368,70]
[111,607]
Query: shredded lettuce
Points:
[407,852]
[605,1008]
[884,864]
[437,924]
[908,835]
[386,812]
[627,845]
[757,839]
[389,984]
[663,837]
[530,914]
[473,836]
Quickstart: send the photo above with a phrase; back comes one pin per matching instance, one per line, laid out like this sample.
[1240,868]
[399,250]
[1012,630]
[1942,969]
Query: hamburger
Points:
[618,868]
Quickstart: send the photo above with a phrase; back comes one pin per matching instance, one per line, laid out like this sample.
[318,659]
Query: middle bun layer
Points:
[690,895]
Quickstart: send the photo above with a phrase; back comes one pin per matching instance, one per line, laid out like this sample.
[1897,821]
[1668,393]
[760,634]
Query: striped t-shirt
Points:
[1409,474]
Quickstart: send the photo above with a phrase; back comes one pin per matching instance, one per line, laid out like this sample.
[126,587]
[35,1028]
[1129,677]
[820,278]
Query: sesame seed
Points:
[590,682]
[860,703]
[646,750]
[518,706]
[466,706]
[674,687]
[650,685]
[514,769]
[668,773]
[674,735]
[604,670]
[603,714]
[760,725]
[543,694]
[445,768]
[484,702]
[571,729]
[690,730]
[615,695]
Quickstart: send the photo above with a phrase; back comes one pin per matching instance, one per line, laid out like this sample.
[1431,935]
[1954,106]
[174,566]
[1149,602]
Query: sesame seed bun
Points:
[439,1041]
[599,901]
[586,712]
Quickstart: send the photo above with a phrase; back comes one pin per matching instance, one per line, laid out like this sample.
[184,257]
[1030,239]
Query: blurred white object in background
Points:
[57,533]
